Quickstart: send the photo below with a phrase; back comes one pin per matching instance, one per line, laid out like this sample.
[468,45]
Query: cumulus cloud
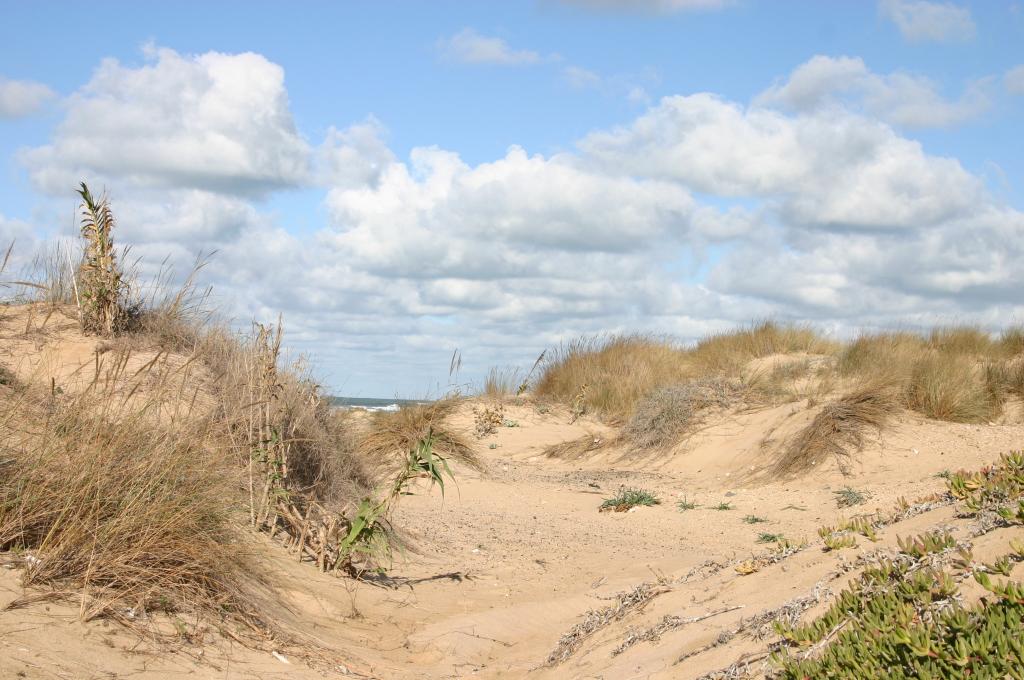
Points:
[900,98]
[835,169]
[520,216]
[1014,80]
[213,121]
[660,6]
[21,98]
[354,156]
[923,21]
[469,47]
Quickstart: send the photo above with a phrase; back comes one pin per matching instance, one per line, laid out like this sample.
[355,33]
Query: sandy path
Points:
[532,554]
[512,558]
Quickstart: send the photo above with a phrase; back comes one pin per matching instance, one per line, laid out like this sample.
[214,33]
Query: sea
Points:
[372,404]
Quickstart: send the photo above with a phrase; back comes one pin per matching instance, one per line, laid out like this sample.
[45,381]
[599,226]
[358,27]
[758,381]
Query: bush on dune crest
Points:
[611,373]
[664,415]
[615,374]
[132,489]
[951,373]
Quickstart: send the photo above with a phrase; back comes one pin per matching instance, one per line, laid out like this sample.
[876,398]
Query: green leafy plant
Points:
[370,533]
[683,504]
[629,497]
[724,505]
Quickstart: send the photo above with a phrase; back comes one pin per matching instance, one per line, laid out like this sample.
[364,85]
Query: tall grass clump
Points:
[728,352]
[957,374]
[969,340]
[134,516]
[888,354]
[838,429]
[610,375]
[500,383]
[950,386]
[1011,341]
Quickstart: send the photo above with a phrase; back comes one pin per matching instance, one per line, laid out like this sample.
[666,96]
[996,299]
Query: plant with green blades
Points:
[766,537]
[685,504]
[629,497]
[370,533]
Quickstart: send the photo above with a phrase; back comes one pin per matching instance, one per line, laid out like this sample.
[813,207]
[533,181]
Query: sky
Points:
[401,180]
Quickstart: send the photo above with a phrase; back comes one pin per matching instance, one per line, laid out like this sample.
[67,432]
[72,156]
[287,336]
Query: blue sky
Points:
[498,255]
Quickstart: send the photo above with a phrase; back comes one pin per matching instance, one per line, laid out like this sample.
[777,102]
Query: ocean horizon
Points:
[374,403]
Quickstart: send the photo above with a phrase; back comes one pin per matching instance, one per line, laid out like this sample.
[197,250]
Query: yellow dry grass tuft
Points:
[952,387]
[612,373]
[726,353]
[574,449]
[135,516]
[391,435]
[838,429]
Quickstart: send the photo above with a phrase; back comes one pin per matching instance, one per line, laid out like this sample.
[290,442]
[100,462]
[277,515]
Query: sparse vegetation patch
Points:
[848,497]
[629,497]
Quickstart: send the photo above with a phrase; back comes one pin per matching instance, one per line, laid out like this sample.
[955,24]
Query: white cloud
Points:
[836,169]
[923,21]
[900,98]
[661,6]
[215,121]
[354,156]
[1014,80]
[20,98]
[699,214]
[469,47]
[580,78]
[438,217]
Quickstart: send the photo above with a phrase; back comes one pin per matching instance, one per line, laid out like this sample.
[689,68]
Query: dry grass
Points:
[969,340]
[574,449]
[952,387]
[1011,341]
[135,517]
[130,493]
[500,383]
[727,353]
[391,435]
[838,429]
[666,414]
[884,354]
[613,373]
[1005,378]
[952,373]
